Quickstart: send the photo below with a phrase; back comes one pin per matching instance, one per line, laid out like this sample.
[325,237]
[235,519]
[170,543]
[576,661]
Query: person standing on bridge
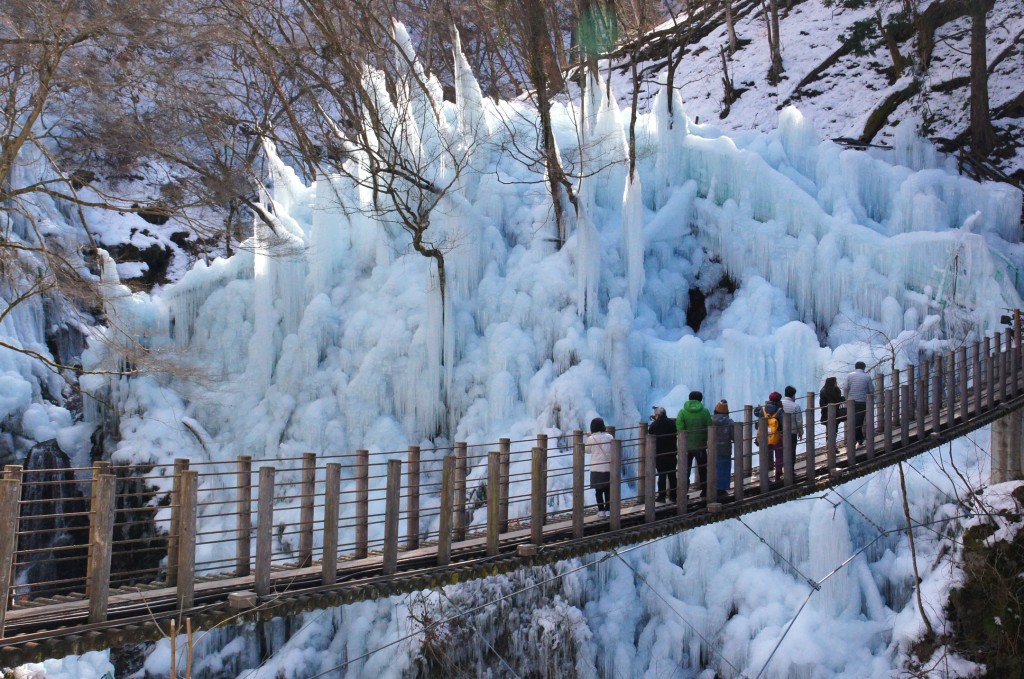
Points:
[831,393]
[665,452]
[599,445]
[858,386]
[695,419]
[723,444]
[772,413]
[792,408]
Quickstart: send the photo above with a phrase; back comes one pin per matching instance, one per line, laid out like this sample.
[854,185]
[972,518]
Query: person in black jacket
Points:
[831,393]
[663,429]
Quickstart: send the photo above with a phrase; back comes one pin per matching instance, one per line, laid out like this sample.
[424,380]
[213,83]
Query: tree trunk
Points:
[731,27]
[632,113]
[774,44]
[898,62]
[982,134]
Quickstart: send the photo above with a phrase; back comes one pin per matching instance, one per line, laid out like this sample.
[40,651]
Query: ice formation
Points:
[329,333]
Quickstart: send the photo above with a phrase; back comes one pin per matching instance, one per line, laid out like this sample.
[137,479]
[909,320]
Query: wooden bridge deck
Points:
[948,398]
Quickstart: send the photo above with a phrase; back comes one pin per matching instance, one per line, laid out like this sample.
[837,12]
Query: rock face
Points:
[53,524]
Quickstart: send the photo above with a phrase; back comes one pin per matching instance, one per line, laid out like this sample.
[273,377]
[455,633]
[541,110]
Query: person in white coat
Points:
[599,447]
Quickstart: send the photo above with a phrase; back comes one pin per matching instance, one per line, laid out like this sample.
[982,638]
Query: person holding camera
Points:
[663,430]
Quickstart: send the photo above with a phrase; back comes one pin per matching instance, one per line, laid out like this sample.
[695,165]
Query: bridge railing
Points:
[88,532]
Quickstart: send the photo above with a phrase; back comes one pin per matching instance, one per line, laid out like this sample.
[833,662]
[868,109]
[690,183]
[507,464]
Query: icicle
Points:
[633,238]
[588,265]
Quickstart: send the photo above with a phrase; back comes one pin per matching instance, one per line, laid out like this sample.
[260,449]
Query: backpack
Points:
[774,427]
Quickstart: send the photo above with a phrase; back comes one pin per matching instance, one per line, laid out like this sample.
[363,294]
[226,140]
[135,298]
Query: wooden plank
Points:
[460,491]
[243,545]
[869,426]
[832,432]
[738,480]
[392,504]
[650,475]
[763,463]
[332,507]
[578,483]
[711,476]
[362,510]
[10,493]
[101,537]
[682,474]
[444,537]
[180,465]
[748,440]
[922,404]
[906,410]
[788,450]
[810,420]
[264,531]
[990,382]
[641,463]
[538,496]
[412,520]
[505,449]
[307,490]
[615,490]
[962,379]
[493,504]
[187,517]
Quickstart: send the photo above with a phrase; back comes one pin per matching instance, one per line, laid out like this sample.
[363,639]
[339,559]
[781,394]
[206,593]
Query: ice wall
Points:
[328,333]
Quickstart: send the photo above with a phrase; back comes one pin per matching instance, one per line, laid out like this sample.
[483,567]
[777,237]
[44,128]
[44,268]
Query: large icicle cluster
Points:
[330,335]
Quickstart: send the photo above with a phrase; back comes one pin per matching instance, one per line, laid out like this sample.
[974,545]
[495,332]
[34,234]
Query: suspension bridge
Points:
[253,539]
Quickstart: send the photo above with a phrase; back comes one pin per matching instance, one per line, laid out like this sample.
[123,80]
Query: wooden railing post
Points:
[976,380]
[810,419]
[887,400]
[264,532]
[711,475]
[989,371]
[748,440]
[879,388]
[922,403]
[444,522]
[905,420]
[101,537]
[10,494]
[392,504]
[99,468]
[869,426]
[307,490]
[615,491]
[332,511]
[578,483]
[851,432]
[788,449]
[682,474]
[505,451]
[962,379]
[493,484]
[460,491]
[831,434]
[738,480]
[649,451]
[1009,377]
[243,522]
[641,464]
[362,509]
[538,496]
[912,383]
[412,520]
[764,463]
[896,391]
[1015,366]
[187,517]
[180,465]
[938,382]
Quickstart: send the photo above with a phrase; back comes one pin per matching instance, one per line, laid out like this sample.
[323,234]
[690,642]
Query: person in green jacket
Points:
[695,419]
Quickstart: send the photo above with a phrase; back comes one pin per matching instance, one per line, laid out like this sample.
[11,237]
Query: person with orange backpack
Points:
[772,412]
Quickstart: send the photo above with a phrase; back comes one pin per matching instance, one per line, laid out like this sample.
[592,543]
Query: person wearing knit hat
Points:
[771,412]
[723,425]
